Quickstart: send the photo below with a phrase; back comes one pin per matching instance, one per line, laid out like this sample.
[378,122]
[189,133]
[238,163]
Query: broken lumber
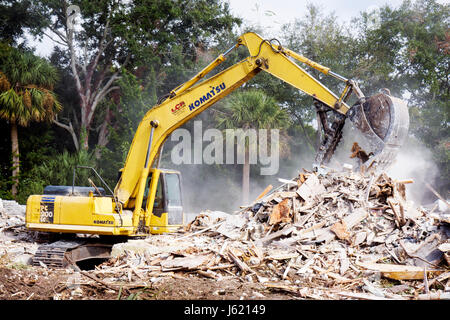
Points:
[189,263]
[398,272]
[283,232]
[437,194]
[240,264]
[363,296]
[350,221]
[266,190]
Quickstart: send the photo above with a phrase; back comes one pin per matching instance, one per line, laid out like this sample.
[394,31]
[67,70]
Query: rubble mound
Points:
[328,235]
[321,230]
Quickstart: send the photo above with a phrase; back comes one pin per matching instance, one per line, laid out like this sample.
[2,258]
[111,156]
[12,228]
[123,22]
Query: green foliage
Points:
[407,52]
[25,93]
[26,82]
[252,109]
[58,170]
[135,99]
[159,38]
[404,49]
[15,18]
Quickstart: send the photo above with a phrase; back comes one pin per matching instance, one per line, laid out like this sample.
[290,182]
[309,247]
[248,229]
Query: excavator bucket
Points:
[384,122]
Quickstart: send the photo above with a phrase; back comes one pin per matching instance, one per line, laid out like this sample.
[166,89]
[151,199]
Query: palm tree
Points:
[252,109]
[26,83]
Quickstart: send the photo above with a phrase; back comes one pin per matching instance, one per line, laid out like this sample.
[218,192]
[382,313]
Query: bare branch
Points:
[58,33]
[102,93]
[54,40]
[84,66]
[70,129]
[93,65]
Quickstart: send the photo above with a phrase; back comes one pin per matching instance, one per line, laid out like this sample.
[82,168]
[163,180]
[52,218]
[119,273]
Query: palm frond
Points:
[25,87]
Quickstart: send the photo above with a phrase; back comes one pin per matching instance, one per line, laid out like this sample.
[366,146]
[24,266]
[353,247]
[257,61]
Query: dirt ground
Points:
[37,283]
[22,281]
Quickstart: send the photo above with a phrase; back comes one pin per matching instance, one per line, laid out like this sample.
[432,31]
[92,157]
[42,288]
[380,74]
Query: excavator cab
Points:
[163,187]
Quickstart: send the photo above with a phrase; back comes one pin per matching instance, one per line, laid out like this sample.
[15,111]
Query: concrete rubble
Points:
[327,235]
[12,231]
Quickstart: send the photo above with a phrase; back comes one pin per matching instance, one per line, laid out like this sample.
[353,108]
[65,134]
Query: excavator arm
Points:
[193,97]
[190,99]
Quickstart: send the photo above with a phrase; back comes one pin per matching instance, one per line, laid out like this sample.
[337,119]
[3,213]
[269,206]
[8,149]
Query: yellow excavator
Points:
[148,200]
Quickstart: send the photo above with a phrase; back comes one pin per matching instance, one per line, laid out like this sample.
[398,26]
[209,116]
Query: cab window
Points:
[173,189]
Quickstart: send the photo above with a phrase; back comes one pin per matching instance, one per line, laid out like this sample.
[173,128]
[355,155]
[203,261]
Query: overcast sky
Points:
[280,12]
[284,11]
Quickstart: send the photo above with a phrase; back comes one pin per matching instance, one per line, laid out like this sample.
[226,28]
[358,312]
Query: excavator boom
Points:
[188,101]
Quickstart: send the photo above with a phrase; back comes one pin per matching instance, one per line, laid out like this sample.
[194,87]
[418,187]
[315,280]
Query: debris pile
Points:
[11,213]
[337,235]
[324,235]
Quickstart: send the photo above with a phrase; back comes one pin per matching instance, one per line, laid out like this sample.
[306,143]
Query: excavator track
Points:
[61,254]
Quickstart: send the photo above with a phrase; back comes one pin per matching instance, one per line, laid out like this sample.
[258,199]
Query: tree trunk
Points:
[84,137]
[246,178]
[15,158]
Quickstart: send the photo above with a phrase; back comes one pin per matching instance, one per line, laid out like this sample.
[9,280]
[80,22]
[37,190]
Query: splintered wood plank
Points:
[266,190]
[280,213]
[350,221]
[283,232]
[240,264]
[399,272]
[437,194]
[311,188]
[340,229]
[363,296]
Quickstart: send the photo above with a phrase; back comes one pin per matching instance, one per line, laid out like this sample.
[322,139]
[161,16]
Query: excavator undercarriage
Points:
[63,253]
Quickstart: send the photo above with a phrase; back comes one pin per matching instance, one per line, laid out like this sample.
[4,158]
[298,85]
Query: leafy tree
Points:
[26,83]
[114,35]
[128,105]
[16,18]
[407,51]
[322,38]
[58,170]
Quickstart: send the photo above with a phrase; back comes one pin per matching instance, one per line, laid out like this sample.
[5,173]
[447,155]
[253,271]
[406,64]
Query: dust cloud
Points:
[216,187]
[414,161]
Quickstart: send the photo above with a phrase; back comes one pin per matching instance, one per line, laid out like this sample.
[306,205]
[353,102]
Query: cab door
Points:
[172,196]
